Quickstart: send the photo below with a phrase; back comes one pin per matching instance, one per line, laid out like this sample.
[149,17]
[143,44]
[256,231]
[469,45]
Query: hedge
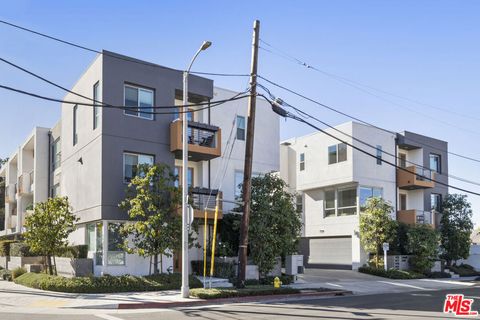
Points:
[216,293]
[5,247]
[284,278]
[224,270]
[20,249]
[391,273]
[464,270]
[105,284]
[77,252]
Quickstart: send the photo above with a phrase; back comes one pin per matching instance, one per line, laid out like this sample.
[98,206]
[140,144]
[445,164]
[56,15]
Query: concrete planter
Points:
[252,272]
[398,262]
[69,267]
[16,262]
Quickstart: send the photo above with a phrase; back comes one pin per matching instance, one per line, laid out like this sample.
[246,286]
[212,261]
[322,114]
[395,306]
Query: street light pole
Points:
[185,217]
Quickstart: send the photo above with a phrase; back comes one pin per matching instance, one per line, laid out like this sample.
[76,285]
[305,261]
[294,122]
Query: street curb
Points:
[204,302]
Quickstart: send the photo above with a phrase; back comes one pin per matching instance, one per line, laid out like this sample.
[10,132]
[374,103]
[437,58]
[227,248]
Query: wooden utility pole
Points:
[247,172]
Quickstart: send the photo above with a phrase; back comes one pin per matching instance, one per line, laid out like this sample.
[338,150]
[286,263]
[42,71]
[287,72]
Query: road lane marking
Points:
[107,317]
[333,284]
[403,285]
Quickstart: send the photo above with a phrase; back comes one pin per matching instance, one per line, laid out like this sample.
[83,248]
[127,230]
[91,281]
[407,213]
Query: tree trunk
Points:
[376,257]
[49,264]
[55,263]
[155,264]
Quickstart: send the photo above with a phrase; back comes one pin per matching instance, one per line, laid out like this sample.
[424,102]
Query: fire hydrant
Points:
[276,282]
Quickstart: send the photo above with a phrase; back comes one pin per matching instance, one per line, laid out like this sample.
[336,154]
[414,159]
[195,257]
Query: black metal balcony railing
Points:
[203,198]
[202,134]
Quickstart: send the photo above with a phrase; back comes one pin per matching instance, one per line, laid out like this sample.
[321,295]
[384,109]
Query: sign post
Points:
[386,247]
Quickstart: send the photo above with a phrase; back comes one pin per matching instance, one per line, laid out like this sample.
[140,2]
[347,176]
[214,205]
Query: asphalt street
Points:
[411,305]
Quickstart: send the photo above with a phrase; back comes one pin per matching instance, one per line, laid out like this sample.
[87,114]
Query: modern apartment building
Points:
[333,181]
[92,153]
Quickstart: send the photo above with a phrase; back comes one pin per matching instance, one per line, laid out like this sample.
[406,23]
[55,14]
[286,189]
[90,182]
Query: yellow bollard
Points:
[212,262]
[205,248]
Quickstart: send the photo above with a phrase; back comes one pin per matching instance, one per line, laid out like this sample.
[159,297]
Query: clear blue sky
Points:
[425,50]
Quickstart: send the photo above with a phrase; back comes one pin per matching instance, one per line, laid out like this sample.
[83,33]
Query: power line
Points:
[359,120]
[280,111]
[355,84]
[112,55]
[211,105]
[307,115]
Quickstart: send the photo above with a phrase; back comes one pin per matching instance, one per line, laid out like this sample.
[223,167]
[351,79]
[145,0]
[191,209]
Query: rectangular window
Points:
[337,153]
[302,161]
[56,190]
[238,184]
[403,202]
[131,161]
[436,202]
[299,204]
[99,244]
[178,173]
[403,160]
[90,235]
[115,254]
[139,102]
[369,192]
[379,155]
[96,108]
[329,207]
[240,128]
[56,154]
[347,201]
[75,137]
[435,163]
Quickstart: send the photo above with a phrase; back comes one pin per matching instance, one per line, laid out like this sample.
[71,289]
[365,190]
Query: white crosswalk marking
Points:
[107,317]
[403,285]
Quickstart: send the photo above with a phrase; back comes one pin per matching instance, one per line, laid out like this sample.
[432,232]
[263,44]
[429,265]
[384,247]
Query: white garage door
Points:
[331,252]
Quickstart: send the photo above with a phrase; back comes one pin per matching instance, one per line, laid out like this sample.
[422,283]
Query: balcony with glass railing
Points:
[204,140]
[415,177]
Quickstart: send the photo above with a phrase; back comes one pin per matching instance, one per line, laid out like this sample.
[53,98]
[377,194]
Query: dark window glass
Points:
[240,128]
[332,154]
[342,152]
[435,162]
[75,136]
[379,155]
[302,161]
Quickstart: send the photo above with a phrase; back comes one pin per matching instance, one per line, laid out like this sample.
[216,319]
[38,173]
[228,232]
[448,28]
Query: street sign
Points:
[386,246]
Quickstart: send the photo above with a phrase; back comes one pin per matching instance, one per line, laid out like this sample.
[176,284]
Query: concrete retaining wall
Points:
[69,267]
[16,262]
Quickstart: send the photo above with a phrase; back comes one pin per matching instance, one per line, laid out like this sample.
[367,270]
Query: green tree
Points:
[153,203]
[275,225]
[456,227]
[422,243]
[48,228]
[376,226]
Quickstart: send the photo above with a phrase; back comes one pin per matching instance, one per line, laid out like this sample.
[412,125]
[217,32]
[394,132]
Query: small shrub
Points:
[6,275]
[224,270]
[20,249]
[5,247]
[17,272]
[391,273]
[464,270]
[216,293]
[437,274]
[77,252]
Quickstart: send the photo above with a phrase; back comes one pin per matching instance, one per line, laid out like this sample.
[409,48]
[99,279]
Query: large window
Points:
[436,202]
[240,128]
[56,154]
[75,136]
[96,108]
[139,102]
[94,241]
[337,153]
[369,192]
[115,254]
[131,162]
[299,204]
[178,173]
[379,155]
[403,160]
[302,161]
[330,203]
[340,202]
[435,162]
[238,184]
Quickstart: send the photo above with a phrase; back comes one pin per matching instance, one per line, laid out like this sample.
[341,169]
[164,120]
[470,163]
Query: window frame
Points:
[244,134]
[379,152]
[134,154]
[138,88]
[439,204]
[56,150]
[336,207]
[124,260]
[337,153]
[302,161]
[439,162]
[96,106]
[75,120]
[372,188]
